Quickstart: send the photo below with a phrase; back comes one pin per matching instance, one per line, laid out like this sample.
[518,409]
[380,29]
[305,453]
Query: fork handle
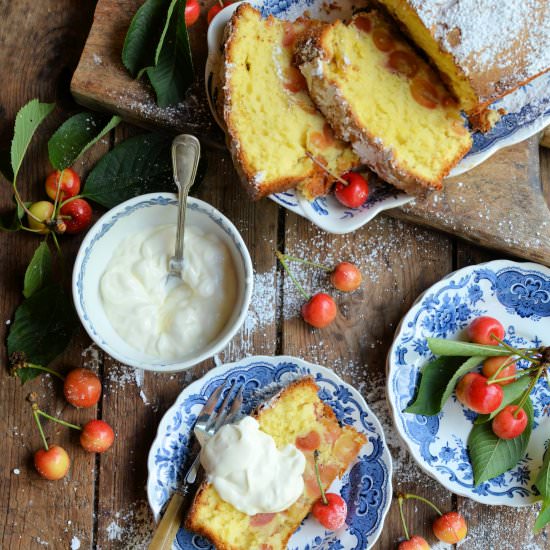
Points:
[169,524]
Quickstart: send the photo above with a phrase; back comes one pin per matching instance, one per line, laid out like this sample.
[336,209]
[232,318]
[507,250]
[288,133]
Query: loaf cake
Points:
[484,48]
[273,127]
[378,94]
[298,416]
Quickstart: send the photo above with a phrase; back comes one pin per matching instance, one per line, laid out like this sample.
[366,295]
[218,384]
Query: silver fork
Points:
[211,418]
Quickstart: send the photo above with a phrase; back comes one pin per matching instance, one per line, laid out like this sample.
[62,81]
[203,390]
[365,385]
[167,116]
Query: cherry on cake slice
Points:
[382,97]
[273,127]
[295,416]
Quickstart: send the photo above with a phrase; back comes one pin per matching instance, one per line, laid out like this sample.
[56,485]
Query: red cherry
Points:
[474,392]
[450,527]
[68,182]
[333,514]
[192,12]
[506,425]
[416,542]
[383,39]
[481,329]
[346,277]
[215,9]
[79,215]
[52,464]
[320,310]
[82,388]
[404,63]
[363,23]
[491,365]
[97,436]
[424,93]
[355,193]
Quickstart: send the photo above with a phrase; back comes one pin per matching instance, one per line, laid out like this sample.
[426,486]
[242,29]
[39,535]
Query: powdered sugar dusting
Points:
[507,39]
[130,528]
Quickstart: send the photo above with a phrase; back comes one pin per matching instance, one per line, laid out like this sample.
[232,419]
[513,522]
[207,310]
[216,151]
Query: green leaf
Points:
[43,325]
[76,135]
[442,346]
[27,373]
[146,29]
[27,121]
[491,456]
[139,165]
[436,376]
[173,71]
[543,518]
[543,479]
[511,393]
[465,368]
[39,271]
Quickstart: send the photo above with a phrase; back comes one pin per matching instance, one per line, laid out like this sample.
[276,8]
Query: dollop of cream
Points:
[248,471]
[169,320]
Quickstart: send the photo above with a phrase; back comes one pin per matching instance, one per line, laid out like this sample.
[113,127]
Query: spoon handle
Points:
[186,152]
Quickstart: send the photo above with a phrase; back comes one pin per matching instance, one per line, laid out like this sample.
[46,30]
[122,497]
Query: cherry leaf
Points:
[441,346]
[39,270]
[543,479]
[491,456]
[543,518]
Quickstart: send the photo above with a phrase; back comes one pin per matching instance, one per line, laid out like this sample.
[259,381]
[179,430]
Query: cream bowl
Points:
[97,250]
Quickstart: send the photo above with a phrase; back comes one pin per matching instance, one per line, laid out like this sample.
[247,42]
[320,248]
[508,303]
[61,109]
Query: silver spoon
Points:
[186,152]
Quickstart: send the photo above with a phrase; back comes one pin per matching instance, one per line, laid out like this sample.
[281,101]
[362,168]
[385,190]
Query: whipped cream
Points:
[248,471]
[169,321]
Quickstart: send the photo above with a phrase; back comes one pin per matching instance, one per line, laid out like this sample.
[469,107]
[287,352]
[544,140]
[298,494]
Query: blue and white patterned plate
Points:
[366,487]
[518,294]
[528,111]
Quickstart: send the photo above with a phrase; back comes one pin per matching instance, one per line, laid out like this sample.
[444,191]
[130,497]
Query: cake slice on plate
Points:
[272,125]
[484,48]
[381,96]
[295,416]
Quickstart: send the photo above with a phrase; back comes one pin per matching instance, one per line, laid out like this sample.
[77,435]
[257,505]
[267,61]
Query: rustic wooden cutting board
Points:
[500,204]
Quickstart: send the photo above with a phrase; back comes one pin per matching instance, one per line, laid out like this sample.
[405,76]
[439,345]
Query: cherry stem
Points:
[281,258]
[318,476]
[505,364]
[307,262]
[424,500]
[39,424]
[528,391]
[330,173]
[45,369]
[57,192]
[516,376]
[54,419]
[400,501]
[70,199]
[510,348]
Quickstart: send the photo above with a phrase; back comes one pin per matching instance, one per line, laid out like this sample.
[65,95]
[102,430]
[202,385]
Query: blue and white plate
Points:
[528,111]
[518,294]
[366,486]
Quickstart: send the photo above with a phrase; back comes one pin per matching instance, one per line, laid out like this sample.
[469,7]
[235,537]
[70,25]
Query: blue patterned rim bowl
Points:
[518,294]
[366,486]
[97,249]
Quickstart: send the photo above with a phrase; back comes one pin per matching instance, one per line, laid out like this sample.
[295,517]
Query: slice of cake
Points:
[378,94]
[297,416]
[484,48]
[272,124]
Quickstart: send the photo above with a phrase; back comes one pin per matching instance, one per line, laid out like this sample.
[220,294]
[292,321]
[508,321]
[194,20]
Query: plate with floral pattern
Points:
[366,486]
[527,108]
[518,295]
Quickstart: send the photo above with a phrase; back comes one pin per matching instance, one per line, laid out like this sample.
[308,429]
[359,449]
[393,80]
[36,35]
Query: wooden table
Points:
[102,502]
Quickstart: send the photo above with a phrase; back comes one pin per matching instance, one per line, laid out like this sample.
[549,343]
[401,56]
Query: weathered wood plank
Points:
[39,46]
[134,403]
[398,262]
[499,205]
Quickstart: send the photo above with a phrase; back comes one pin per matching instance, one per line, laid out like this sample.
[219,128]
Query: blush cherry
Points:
[82,388]
[491,366]
[320,310]
[450,527]
[353,194]
[510,422]
[482,330]
[97,436]
[416,542]
[346,277]
[52,463]
[68,182]
[474,392]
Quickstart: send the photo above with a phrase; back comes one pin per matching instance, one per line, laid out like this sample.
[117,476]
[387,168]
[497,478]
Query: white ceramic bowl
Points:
[98,247]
